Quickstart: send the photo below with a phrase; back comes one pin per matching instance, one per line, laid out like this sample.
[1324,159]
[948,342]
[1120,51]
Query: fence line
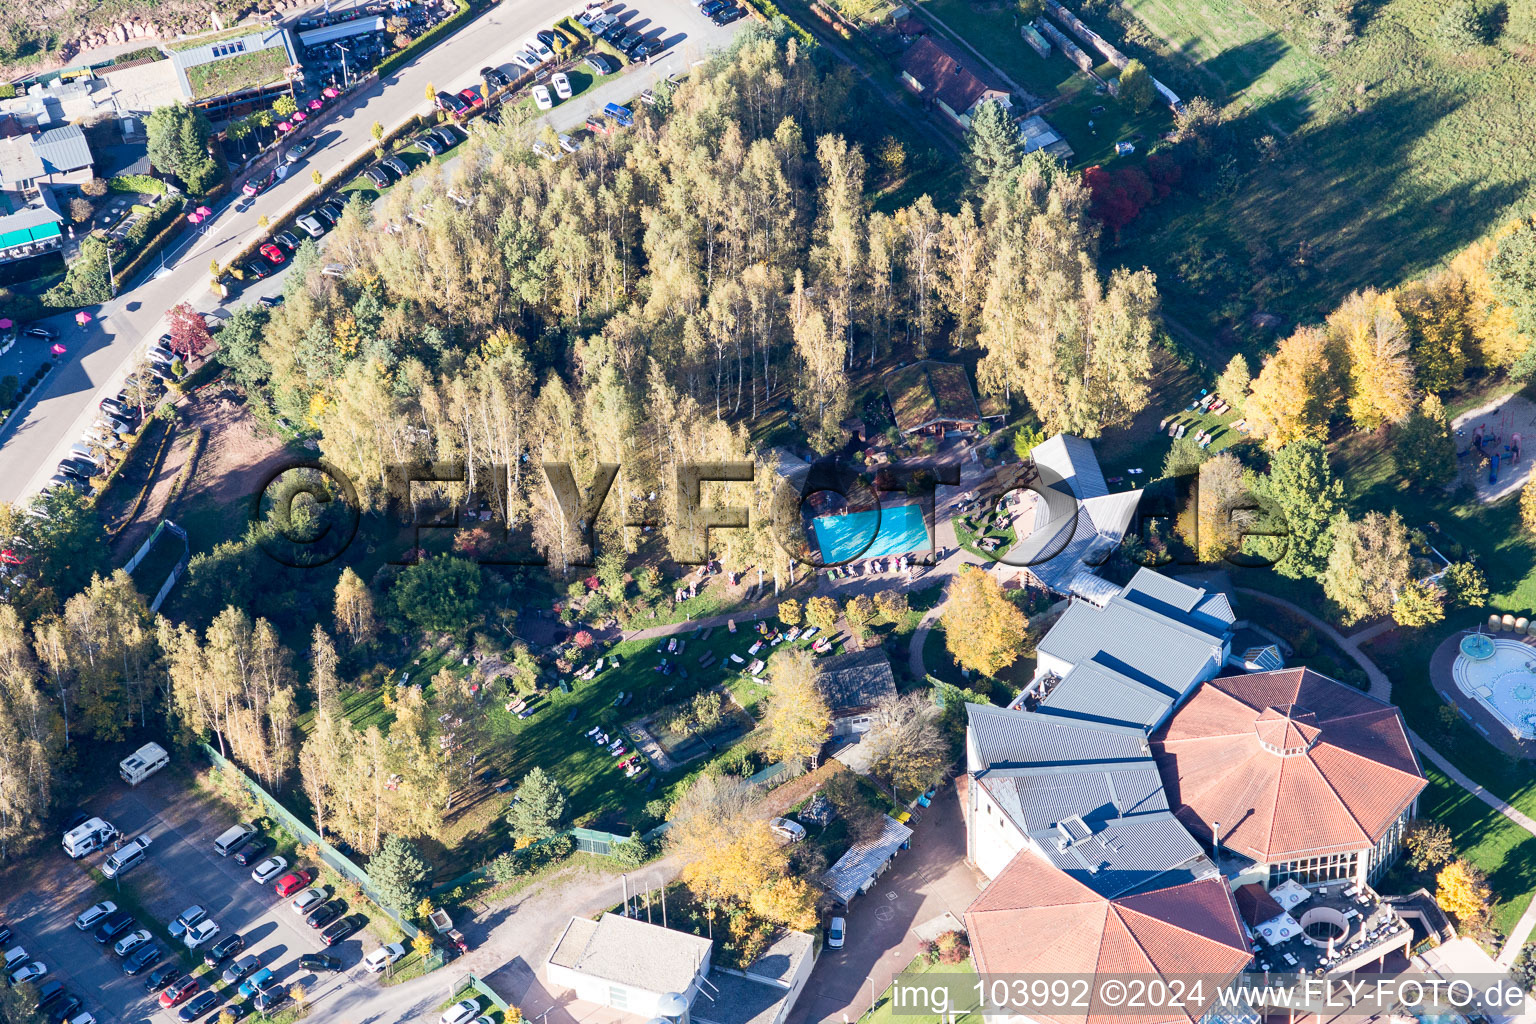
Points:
[329,854]
[473,981]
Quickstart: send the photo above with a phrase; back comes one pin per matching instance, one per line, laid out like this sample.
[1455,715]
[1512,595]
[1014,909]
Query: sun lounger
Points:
[757,666]
[705,634]
[755,647]
[730,624]
[738,659]
[810,631]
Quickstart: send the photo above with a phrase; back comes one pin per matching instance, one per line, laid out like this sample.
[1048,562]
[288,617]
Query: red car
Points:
[292,883]
[179,992]
[472,97]
[256,186]
[273,254]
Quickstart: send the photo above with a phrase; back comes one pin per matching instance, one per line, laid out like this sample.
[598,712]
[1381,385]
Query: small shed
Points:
[855,872]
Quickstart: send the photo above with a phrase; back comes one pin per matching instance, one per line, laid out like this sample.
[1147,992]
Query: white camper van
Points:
[143,763]
[88,838]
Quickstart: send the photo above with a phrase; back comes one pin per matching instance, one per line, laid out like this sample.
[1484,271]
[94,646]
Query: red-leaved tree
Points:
[189,332]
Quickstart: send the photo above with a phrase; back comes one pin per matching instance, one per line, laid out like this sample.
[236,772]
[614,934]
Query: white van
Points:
[88,838]
[143,763]
[129,857]
[234,838]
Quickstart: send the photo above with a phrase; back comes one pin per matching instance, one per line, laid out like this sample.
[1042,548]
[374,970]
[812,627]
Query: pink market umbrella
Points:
[299,115]
[5,325]
[82,318]
[316,104]
[58,349]
[203,211]
[329,92]
[194,218]
[284,126]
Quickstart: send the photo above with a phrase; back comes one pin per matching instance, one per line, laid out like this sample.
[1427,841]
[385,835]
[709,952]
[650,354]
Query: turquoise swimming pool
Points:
[844,538]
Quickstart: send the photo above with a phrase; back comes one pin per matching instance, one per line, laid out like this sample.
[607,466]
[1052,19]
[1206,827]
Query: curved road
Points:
[101,355]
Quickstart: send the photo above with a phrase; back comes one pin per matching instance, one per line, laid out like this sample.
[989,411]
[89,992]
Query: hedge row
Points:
[428,39]
[137,183]
[187,469]
[24,389]
[768,11]
[149,477]
[171,219]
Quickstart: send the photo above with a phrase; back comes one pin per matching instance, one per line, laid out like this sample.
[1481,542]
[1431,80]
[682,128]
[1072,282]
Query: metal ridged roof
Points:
[844,879]
[1129,855]
[62,150]
[1011,738]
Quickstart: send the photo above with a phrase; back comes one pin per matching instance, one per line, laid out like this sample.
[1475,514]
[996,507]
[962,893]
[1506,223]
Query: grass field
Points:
[1240,56]
[1411,150]
[1502,849]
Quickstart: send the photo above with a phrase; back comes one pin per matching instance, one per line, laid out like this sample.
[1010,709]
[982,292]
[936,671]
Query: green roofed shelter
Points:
[932,396]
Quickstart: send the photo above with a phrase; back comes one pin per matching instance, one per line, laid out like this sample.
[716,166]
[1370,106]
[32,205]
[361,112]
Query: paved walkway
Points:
[1381,686]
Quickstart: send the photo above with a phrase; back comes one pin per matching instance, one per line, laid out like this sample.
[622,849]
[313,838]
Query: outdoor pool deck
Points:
[892,530]
[1499,714]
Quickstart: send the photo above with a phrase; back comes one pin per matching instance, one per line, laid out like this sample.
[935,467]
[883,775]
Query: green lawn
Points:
[958,981]
[1236,52]
[1502,849]
[1410,150]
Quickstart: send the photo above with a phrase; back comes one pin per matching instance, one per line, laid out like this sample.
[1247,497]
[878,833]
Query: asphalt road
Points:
[102,354]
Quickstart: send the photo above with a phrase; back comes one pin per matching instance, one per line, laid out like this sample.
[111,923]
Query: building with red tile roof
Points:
[1036,920]
[1305,776]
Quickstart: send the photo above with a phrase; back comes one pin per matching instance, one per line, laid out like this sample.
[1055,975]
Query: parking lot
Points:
[182,869]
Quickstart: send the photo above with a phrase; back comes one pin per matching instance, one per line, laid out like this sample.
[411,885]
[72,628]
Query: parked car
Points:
[142,960]
[223,950]
[729,14]
[65,1007]
[132,941]
[179,992]
[542,98]
[448,135]
[237,970]
[308,900]
[472,97]
[429,144]
[382,957]
[40,333]
[396,165]
[256,269]
[451,103]
[562,85]
[497,78]
[112,926]
[298,151]
[197,1007]
[30,971]
[791,831]
[186,919]
[319,962]
[293,882]
[268,869]
[569,144]
[160,977]
[379,177]
[272,254]
[332,209]
[342,929]
[644,51]
[256,186]
[286,241]
[628,41]
[311,225]
[837,932]
[201,934]
[461,1012]
[709,7]
[93,915]
[324,915]
[525,60]
[540,49]
[253,851]
[48,995]
[270,999]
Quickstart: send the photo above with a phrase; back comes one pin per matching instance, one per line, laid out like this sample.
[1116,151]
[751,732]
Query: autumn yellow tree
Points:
[791,613]
[1528,503]
[892,604]
[1496,338]
[732,857]
[1296,392]
[797,717]
[858,613]
[822,612]
[1462,890]
[983,630]
[1373,339]
[1221,511]
[354,609]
